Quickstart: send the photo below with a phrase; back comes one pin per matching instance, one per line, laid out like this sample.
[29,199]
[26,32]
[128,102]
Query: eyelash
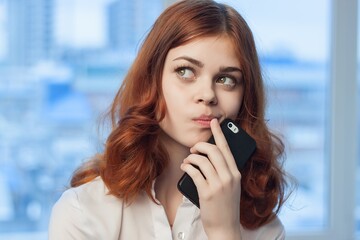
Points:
[236,81]
[184,67]
[219,76]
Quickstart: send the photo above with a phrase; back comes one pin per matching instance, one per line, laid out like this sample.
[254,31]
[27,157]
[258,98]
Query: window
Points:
[357,199]
[59,67]
[58,75]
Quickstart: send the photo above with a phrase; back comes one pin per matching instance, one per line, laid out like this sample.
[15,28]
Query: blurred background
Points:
[61,62]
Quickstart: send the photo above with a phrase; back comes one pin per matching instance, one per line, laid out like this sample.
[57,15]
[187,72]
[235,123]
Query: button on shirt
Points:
[89,212]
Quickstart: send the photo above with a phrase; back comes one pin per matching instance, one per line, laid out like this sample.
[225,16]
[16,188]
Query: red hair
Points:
[133,155]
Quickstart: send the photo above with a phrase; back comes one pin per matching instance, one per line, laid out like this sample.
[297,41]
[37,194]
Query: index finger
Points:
[222,144]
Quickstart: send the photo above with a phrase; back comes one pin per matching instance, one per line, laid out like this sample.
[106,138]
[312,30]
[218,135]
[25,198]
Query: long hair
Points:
[133,155]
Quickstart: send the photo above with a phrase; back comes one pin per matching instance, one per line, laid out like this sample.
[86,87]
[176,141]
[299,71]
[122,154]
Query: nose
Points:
[206,94]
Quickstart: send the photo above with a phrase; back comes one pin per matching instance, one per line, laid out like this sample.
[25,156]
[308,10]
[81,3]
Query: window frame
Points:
[342,109]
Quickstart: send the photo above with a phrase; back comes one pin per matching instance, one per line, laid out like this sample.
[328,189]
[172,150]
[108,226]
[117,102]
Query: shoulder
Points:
[273,230]
[91,194]
[84,210]
[94,191]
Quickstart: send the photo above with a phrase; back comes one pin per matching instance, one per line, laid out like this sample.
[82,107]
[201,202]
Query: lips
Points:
[204,120]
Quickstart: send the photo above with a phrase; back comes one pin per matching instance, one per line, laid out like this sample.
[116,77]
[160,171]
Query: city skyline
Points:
[84,25]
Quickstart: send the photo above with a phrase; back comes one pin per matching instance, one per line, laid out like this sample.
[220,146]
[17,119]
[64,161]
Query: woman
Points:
[197,66]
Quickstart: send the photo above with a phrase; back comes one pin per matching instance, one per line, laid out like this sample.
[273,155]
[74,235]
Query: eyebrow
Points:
[192,60]
[230,69]
[200,64]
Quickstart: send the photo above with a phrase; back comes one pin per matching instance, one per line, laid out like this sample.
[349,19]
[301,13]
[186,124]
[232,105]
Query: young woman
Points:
[197,66]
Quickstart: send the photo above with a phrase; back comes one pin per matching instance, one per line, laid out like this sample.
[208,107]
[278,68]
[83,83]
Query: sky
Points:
[81,23]
[279,26]
[301,28]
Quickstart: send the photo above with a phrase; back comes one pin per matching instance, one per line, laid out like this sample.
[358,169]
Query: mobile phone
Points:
[242,146]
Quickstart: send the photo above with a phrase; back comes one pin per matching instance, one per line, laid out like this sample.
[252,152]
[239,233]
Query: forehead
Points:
[221,48]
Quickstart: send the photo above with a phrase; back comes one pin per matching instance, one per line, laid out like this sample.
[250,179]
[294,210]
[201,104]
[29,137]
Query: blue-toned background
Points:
[61,62]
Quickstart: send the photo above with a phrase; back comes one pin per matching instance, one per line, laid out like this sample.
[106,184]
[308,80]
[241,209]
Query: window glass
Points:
[357,200]
[61,60]
[60,63]
[294,49]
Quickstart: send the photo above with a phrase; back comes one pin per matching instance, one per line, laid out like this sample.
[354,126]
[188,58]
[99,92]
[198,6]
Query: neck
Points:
[168,179]
[166,191]
[177,153]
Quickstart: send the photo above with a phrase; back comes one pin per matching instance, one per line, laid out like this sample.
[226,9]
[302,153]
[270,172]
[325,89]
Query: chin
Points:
[194,141]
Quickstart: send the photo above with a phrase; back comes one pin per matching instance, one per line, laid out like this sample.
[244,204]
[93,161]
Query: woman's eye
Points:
[185,73]
[226,81]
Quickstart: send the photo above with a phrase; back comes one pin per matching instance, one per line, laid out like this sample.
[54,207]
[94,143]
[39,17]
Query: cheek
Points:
[231,104]
[175,95]
[234,110]
[170,96]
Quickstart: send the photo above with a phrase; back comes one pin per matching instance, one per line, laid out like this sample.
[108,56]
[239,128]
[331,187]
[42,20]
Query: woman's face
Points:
[201,80]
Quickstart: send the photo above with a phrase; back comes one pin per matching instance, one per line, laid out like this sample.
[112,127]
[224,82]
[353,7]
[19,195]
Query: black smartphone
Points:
[242,146]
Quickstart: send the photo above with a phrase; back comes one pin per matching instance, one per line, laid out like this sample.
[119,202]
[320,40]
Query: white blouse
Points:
[88,212]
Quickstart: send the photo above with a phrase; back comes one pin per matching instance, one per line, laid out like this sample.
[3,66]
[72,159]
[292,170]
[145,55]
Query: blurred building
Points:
[30,30]
[128,21]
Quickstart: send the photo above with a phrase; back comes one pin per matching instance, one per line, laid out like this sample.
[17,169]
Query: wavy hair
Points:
[133,155]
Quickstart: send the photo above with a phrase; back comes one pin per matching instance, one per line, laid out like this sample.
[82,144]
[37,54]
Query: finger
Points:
[205,166]
[195,175]
[212,152]
[223,145]
[215,158]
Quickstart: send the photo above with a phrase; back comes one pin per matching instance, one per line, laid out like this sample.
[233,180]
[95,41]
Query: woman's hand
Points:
[219,192]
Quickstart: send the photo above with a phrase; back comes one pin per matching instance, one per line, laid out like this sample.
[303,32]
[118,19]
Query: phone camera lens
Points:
[232,127]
